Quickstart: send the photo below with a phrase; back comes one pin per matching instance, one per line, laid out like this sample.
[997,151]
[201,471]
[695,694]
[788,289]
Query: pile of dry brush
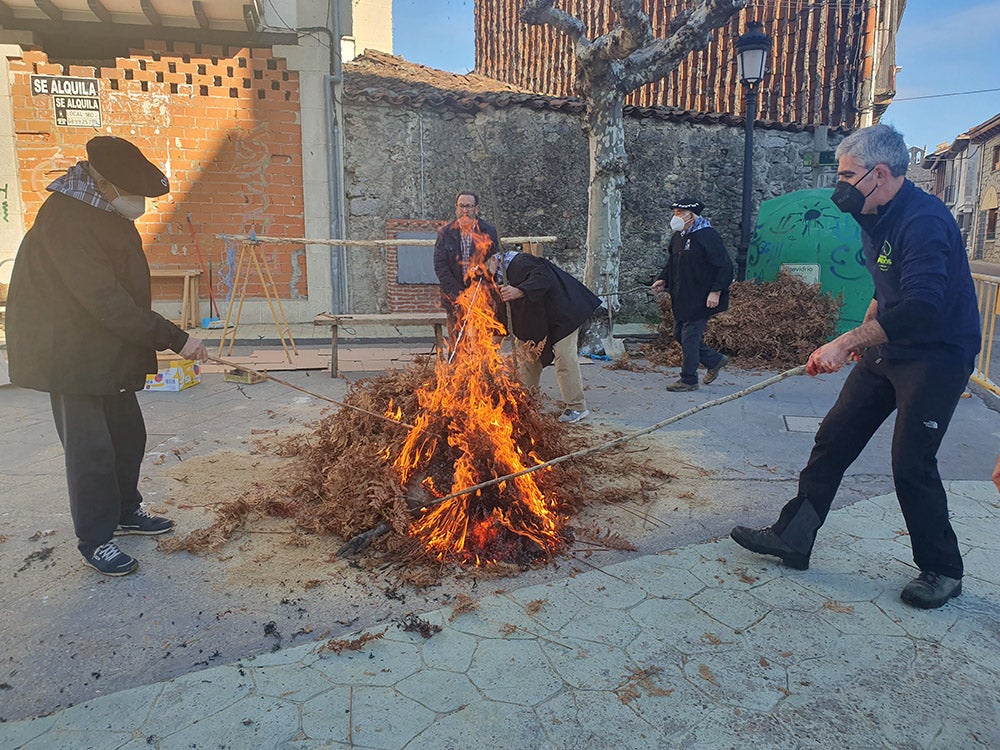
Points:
[769,324]
[343,483]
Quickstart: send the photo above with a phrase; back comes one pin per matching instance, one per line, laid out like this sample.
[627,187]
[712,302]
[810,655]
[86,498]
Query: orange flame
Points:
[470,416]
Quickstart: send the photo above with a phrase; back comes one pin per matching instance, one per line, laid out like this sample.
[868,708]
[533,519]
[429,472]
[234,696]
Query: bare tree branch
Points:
[634,31]
[655,60]
[541,12]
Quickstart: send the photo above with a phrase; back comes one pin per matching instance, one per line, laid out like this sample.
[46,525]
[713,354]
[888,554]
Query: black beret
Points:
[122,164]
[689,204]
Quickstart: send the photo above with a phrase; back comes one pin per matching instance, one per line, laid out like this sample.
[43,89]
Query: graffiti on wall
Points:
[803,230]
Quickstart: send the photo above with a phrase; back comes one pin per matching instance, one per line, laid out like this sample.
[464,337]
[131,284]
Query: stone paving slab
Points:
[706,646]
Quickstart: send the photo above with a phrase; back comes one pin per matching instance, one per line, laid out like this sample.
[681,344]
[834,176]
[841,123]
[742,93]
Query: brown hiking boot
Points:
[680,385]
[713,372]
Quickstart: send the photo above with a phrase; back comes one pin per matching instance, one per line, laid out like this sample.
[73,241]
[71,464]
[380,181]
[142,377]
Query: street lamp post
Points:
[751,58]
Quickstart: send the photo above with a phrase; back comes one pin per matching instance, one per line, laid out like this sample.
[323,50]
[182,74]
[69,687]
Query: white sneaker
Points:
[572,415]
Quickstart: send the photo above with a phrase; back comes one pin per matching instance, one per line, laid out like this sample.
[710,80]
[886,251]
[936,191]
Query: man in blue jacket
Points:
[914,351]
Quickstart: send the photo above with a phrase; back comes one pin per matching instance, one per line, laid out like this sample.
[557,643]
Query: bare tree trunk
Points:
[610,67]
[606,136]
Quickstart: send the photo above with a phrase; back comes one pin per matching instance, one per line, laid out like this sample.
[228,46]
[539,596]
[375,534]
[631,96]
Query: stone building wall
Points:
[986,245]
[529,167]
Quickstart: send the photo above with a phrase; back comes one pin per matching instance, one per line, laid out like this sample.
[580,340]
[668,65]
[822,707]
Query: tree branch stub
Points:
[656,60]
[541,13]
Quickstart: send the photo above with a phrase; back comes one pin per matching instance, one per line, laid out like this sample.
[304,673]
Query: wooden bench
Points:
[438,319]
[190,295]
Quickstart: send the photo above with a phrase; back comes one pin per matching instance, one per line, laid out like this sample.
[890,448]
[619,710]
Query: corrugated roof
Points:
[381,77]
[829,59]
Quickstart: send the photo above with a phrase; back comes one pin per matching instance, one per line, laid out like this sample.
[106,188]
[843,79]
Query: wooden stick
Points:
[626,438]
[367,243]
[267,376]
[357,547]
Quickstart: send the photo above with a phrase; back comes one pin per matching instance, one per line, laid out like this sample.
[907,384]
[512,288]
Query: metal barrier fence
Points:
[988,294]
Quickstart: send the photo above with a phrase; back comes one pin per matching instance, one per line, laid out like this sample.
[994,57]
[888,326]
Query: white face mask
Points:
[130,206]
[677,224]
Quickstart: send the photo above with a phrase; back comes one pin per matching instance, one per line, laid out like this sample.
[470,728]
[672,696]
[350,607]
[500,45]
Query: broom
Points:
[215,320]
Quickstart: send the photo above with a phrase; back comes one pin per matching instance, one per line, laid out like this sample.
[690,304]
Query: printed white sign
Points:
[75,100]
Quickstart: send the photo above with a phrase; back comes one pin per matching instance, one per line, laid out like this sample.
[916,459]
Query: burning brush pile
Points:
[769,324]
[362,472]
[401,456]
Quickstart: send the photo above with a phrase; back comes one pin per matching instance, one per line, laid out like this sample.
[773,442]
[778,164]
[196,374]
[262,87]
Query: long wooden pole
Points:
[367,243]
[362,540]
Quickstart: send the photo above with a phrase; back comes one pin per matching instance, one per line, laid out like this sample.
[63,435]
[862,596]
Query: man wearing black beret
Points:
[80,327]
[697,277]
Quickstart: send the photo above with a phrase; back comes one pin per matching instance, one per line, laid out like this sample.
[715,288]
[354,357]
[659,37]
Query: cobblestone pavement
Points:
[705,646]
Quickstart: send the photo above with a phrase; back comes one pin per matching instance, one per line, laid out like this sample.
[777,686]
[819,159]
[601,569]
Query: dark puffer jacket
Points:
[79,318]
[698,263]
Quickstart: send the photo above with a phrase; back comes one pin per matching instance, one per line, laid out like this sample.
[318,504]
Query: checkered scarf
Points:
[78,183]
[700,222]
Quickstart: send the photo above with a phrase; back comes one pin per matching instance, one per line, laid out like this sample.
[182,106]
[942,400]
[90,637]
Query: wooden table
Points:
[190,294]
[437,319]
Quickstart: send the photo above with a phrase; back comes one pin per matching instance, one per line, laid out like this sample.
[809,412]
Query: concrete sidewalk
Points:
[706,646]
[691,642]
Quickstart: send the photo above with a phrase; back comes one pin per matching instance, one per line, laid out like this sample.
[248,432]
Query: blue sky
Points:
[944,47]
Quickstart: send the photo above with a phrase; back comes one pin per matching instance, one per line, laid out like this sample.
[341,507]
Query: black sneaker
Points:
[930,590]
[141,522]
[110,560]
[766,542]
[713,372]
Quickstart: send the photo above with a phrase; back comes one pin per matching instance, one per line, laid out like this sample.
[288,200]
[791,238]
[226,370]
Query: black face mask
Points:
[848,198]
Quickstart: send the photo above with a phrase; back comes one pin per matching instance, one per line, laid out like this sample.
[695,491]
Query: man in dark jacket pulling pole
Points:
[547,308]
[80,327]
[455,249]
[914,353]
[697,277]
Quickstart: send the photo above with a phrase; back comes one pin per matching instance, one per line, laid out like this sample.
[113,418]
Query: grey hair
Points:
[878,144]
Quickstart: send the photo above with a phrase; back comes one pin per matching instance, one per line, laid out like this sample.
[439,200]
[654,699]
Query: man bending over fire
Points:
[547,308]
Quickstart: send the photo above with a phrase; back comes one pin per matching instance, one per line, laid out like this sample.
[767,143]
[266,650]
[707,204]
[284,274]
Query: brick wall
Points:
[409,298]
[223,124]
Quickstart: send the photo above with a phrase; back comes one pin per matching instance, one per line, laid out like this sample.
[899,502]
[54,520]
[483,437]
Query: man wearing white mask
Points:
[697,278]
[80,327]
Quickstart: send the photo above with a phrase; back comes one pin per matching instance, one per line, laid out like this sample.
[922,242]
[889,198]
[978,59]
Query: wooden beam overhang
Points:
[99,10]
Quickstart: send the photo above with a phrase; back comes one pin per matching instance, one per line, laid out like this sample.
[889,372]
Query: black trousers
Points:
[925,395]
[104,438]
[690,334]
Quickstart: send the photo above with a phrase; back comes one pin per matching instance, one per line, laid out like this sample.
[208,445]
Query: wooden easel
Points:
[249,258]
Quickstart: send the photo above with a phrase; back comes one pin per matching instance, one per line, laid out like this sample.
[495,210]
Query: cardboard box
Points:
[247,377]
[180,374]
